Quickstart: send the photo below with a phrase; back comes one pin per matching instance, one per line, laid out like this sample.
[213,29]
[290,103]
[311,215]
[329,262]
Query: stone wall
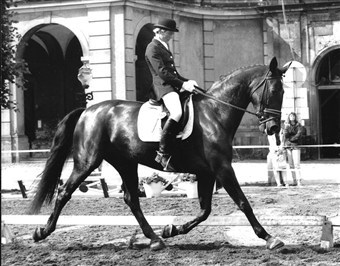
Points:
[212,41]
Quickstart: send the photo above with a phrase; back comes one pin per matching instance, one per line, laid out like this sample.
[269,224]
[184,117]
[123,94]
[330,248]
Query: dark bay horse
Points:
[108,131]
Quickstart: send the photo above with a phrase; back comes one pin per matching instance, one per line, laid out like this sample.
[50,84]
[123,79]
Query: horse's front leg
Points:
[228,179]
[205,191]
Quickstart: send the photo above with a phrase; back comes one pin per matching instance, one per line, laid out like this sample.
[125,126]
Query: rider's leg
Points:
[170,130]
[173,104]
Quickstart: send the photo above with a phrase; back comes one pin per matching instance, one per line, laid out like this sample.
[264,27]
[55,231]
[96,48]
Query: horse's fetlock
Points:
[205,214]
[169,231]
[261,233]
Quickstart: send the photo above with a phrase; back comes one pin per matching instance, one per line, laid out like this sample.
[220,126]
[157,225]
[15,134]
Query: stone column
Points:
[117,24]
[208,51]
[100,59]
[18,139]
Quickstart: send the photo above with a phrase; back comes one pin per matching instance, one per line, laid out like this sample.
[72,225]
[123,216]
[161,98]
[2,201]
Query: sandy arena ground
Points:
[205,245]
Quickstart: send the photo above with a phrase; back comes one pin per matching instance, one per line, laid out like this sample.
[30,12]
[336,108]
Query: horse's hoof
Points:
[38,234]
[274,243]
[169,231]
[157,245]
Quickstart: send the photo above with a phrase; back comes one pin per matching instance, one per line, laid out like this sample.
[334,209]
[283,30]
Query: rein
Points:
[258,114]
[201,92]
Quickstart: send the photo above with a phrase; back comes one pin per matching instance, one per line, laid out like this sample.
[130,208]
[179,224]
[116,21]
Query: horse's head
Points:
[267,97]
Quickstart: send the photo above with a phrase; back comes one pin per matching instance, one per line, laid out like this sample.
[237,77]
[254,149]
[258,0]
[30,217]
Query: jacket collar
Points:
[159,44]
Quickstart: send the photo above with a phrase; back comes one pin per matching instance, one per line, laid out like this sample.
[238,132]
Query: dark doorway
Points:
[328,79]
[330,121]
[74,92]
[143,76]
[53,55]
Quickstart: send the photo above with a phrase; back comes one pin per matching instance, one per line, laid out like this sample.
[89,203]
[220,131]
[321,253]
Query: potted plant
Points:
[154,185]
[189,184]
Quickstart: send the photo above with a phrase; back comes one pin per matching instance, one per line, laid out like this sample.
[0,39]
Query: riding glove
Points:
[189,85]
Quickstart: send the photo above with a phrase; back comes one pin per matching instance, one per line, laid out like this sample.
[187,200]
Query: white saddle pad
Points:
[149,122]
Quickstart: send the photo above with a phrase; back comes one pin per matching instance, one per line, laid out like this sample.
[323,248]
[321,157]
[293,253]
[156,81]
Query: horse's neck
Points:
[237,87]
[232,91]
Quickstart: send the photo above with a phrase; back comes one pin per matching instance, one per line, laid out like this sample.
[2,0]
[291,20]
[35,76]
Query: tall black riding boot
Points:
[168,137]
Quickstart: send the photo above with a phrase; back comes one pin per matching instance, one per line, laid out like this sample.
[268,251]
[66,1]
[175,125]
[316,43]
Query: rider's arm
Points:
[165,69]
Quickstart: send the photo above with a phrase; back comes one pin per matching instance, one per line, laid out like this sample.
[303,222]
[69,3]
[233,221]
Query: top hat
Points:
[167,24]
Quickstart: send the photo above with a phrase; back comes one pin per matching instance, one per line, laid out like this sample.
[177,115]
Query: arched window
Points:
[328,72]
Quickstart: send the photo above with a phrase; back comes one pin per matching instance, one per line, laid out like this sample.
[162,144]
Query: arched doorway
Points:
[53,55]
[143,75]
[327,78]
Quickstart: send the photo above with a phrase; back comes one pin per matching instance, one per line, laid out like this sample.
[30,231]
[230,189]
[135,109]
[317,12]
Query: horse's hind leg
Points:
[129,174]
[228,179]
[78,175]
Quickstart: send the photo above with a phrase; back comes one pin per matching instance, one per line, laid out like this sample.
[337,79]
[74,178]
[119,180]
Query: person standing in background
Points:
[292,133]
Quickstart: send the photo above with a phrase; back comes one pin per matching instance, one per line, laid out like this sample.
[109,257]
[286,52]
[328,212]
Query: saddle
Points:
[153,115]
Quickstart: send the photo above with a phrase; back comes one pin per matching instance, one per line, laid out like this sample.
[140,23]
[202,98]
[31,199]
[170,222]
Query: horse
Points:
[108,131]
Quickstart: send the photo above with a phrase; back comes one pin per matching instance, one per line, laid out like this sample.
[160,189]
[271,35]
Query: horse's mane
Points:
[232,74]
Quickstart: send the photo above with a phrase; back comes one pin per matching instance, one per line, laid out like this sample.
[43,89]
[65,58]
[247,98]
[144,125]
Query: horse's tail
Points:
[61,148]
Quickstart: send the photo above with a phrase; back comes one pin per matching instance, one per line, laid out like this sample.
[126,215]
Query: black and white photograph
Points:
[170,132]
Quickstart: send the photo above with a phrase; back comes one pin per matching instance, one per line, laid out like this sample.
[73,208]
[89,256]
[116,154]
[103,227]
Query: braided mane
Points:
[231,74]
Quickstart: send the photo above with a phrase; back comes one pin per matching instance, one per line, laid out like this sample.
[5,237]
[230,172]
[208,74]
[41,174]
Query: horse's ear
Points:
[273,65]
[285,67]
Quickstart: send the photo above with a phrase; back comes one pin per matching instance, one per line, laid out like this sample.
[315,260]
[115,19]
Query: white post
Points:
[13,123]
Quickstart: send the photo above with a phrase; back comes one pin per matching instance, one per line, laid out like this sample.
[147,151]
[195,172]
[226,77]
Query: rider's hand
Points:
[189,85]
[194,82]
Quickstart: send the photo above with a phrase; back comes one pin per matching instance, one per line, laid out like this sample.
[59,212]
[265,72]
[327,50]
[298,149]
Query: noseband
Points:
[263,112]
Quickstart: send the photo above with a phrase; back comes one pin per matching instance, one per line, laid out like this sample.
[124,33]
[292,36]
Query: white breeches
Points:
[173,104]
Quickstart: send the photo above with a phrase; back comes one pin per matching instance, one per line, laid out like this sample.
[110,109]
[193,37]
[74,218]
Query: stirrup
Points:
[164,160]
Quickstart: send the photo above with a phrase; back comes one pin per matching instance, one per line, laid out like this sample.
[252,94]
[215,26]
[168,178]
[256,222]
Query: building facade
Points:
[215,38]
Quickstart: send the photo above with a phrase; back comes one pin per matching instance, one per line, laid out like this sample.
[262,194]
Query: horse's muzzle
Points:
[269,125]
[272,126]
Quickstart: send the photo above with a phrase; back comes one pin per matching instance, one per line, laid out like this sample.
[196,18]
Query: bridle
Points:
[263,110]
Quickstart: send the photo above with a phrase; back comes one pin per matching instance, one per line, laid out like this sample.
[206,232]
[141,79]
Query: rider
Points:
[167,84]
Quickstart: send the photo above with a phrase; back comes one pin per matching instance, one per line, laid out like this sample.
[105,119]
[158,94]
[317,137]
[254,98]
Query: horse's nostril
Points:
[274,129]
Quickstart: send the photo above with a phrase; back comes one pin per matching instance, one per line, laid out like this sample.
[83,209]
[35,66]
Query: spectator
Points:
[291,136]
